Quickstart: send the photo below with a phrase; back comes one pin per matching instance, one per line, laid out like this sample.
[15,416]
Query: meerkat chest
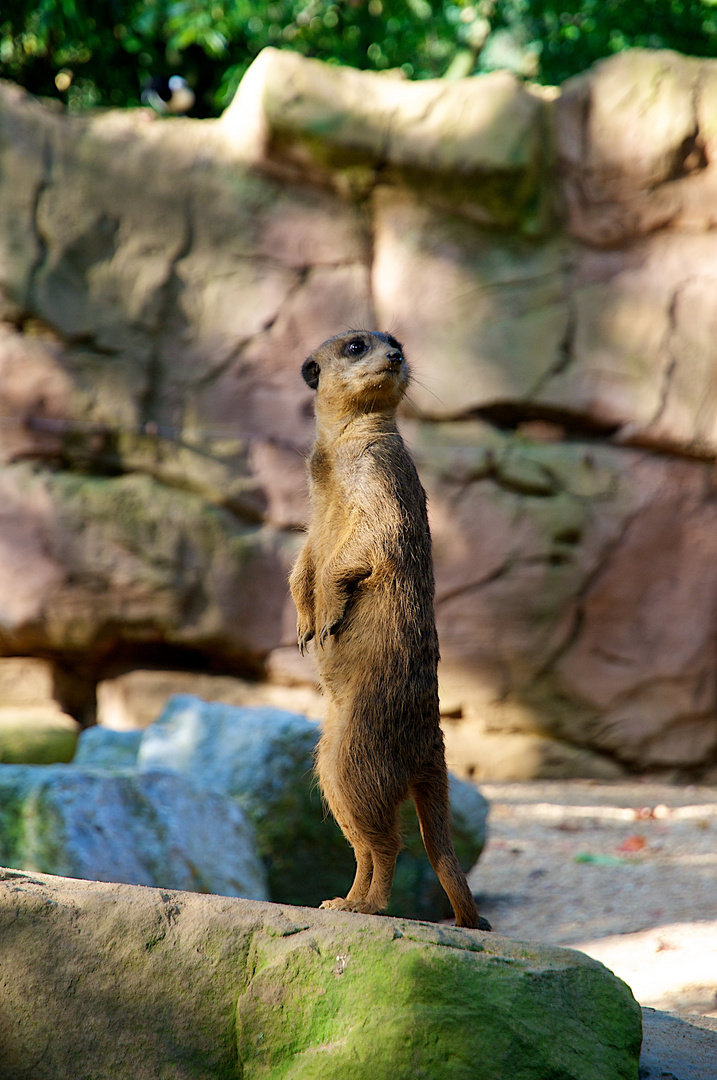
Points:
[349,505]
[338,486]
[336,519]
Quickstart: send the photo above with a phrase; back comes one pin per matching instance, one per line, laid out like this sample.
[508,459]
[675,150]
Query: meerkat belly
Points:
[385,654]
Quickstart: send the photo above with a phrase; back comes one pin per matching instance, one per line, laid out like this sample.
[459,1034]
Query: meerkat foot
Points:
[341,903]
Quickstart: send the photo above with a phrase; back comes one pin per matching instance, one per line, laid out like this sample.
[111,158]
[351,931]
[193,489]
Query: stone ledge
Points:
[102,980]
[476,143]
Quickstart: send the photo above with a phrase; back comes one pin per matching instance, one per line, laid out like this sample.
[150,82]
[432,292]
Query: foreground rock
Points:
[110,981]
[263,758]
[150,828]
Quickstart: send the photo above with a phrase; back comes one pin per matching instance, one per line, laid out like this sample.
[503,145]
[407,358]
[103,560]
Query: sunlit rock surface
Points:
[112,981]
[548,260]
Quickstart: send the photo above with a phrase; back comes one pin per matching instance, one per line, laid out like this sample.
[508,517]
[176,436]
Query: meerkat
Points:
[364,591]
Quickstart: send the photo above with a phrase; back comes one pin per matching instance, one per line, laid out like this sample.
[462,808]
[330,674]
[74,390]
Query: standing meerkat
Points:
[363,588]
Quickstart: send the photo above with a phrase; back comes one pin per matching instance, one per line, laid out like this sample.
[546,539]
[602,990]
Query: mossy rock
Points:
[112,981]
[36,735]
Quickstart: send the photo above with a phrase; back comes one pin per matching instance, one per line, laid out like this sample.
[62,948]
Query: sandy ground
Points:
[625,872]
[628,874]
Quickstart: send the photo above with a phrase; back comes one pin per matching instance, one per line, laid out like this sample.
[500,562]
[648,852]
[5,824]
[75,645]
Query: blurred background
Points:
[192,197]
[69,50]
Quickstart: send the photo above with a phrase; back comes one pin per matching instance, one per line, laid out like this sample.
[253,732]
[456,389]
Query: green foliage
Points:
[88,54]
[563,37]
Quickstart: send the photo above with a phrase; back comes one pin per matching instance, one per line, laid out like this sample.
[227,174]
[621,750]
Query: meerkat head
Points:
[365,368]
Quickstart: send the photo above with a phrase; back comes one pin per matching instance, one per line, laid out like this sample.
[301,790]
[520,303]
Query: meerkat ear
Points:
[311,370]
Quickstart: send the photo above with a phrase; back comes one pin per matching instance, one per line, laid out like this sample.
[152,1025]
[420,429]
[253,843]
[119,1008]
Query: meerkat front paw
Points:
[304,634]
[330,623]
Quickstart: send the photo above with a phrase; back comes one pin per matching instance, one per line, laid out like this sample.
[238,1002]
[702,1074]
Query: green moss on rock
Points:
[206,987]
[37,735]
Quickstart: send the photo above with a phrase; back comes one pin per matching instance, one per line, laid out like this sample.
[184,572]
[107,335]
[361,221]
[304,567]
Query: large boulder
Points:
[264,759]
[149,828]
[209,987]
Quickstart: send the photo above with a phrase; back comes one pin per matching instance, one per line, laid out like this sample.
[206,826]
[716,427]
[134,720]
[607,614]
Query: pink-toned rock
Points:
[644,652]
[262,393]
[35,391]
[29,573]
[636,138]
[491,317]
[84,563]
[154,424]
[640,353]
[582,611]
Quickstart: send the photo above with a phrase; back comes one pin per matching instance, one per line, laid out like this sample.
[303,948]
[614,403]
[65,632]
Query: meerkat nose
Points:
[394,357]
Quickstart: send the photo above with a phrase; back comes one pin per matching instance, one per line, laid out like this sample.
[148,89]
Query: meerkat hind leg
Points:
[376,855]
[384,866]
[355,899]
[432,806]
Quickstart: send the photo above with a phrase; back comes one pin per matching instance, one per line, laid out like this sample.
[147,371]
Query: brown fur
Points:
[363,588]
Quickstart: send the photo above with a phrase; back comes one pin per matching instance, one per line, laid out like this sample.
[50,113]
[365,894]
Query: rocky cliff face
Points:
[549,260]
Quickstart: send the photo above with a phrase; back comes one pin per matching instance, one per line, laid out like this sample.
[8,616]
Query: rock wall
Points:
[549,260]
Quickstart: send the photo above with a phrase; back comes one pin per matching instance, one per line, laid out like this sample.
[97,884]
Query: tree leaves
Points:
[65,49]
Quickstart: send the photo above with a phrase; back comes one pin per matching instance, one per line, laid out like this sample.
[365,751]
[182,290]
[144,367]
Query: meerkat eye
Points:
[355,348]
